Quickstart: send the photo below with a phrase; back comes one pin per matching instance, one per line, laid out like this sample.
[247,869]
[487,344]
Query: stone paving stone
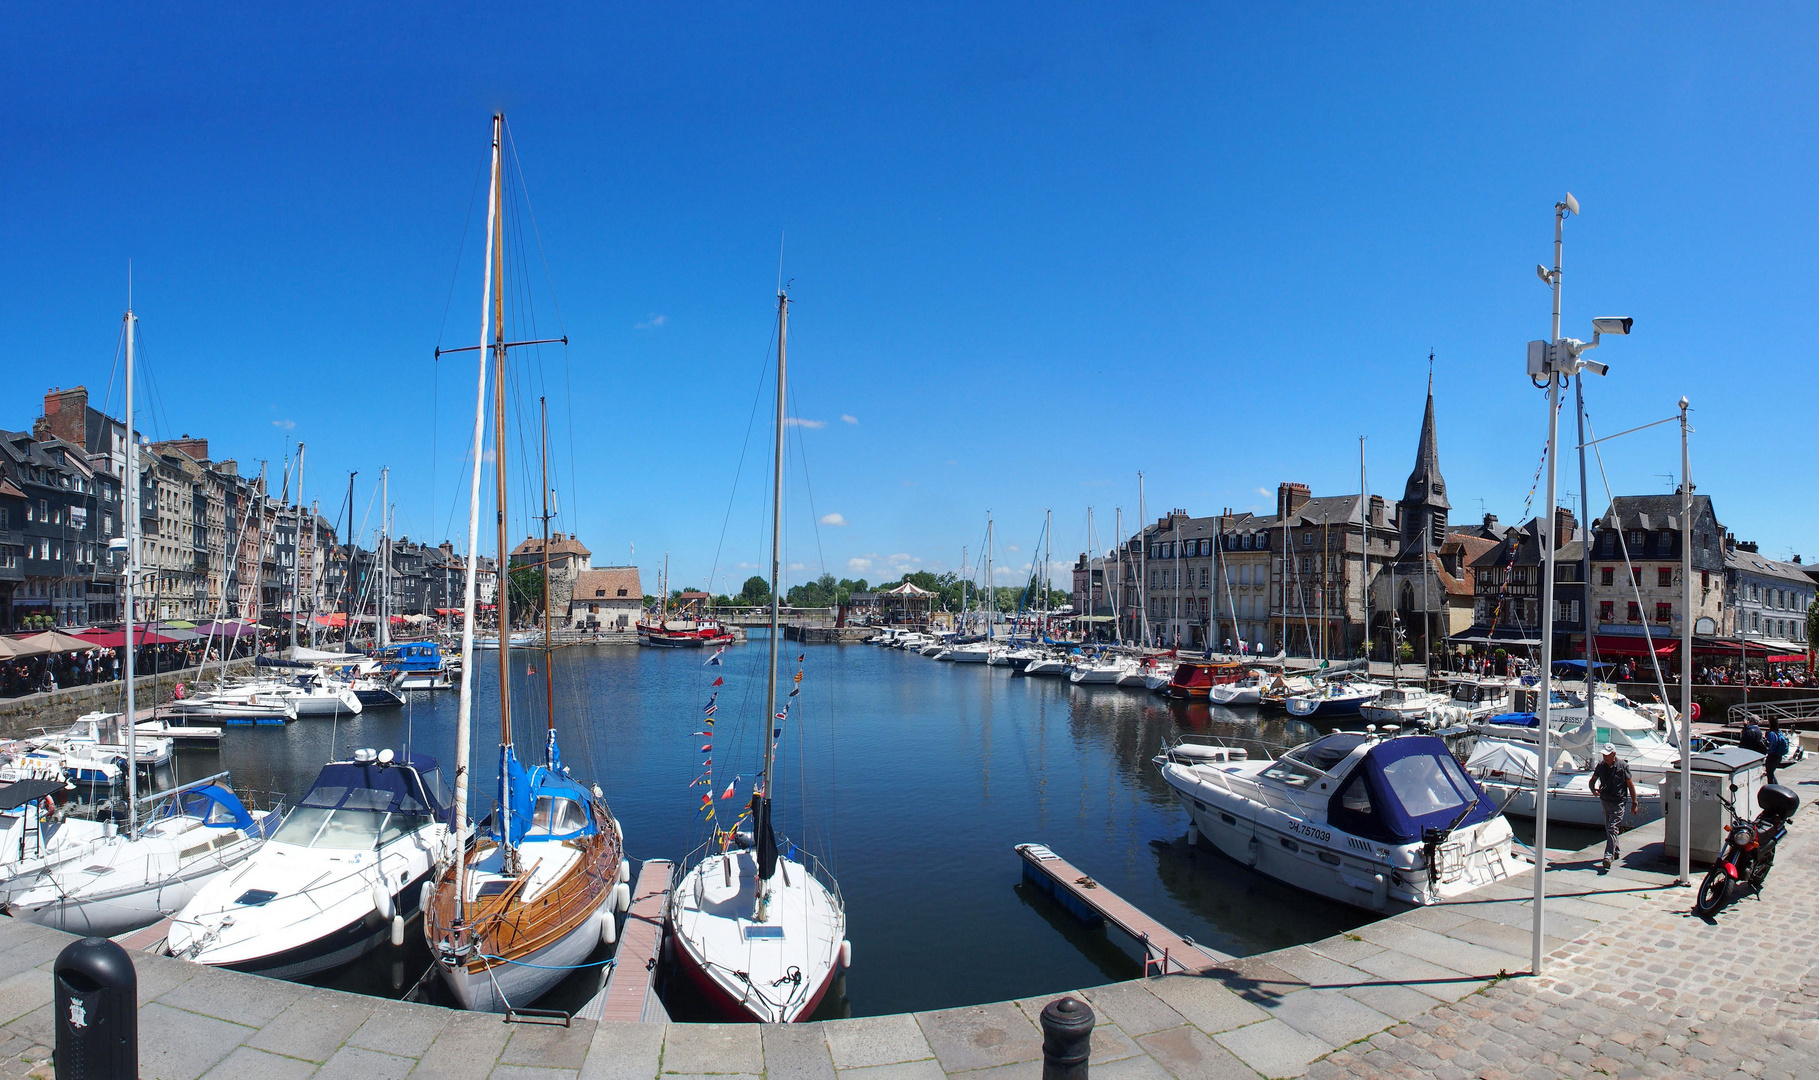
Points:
[1132,1007]
[246,1062]
[875,1040]
[1273,1048]
[157,975]
[1318,971]
[403,1027]
[712,1048]
[1206,1003]
[1020,1070]
[1522,917]
[928,1069]
[1345,948]
[230,995]
[1398,1002]
[1190,1054]
[980,1036]
[358,1063]
[1504,939]
[531,1072]
[1439,918]
[1431,979]
[467,1046]
[35,1026]
[1140,1067]
[548,1046]
[1330,1016]
[24,992]
[795,1052]
[175,1045]
[315,1025]
[1257,978]
[1435,948]
[623,1051]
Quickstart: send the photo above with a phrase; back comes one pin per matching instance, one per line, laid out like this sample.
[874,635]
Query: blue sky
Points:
[1034,249]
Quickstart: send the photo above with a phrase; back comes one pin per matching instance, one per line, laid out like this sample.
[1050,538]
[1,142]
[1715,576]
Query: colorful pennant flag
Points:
[715,659]
[793,692]
[719,681]
[798,676]
[729,789]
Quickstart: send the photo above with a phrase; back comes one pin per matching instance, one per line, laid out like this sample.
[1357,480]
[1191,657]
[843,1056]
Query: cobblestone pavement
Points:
[1634,986]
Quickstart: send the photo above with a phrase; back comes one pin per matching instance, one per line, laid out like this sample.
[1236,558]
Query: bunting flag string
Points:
[729,789]
[715,659]
[719,681]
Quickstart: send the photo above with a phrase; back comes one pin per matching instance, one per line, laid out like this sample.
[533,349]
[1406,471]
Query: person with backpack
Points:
[1776,747]
[1751,737]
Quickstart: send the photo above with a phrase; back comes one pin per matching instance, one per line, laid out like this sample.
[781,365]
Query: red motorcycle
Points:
[1749,849]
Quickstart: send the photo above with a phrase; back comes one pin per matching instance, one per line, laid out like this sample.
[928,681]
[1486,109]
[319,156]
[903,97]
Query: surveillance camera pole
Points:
[1547,606]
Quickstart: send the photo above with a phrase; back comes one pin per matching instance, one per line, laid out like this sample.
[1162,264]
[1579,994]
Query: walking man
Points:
[1776,742]
[1611,782]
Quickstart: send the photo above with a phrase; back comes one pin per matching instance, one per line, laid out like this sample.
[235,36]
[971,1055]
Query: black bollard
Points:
[1067,1039]
[97,1008]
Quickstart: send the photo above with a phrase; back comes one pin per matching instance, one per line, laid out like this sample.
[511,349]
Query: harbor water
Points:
[909,777]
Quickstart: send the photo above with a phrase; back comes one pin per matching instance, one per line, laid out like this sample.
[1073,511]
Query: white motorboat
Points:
[1507,773]
[1102,670]
[1014,659]
[1347,816]
[1403,706]
[342,873]
[1333,697]
[1047,664]
[1650,757]
[132,879]
[1246,691]
[37,832]
[973,652]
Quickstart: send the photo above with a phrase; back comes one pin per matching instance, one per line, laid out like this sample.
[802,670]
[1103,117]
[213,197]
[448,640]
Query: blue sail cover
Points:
[204,802]
[543,802]
[402,787]
[1403,786]
[1517,719]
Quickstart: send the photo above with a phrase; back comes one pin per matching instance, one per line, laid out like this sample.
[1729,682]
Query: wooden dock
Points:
[1169,952]
[630,993]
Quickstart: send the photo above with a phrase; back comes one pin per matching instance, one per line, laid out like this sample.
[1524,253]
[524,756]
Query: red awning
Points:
[117,638]
[337,618]
[1730,649]
[1614,645]
[1788,658]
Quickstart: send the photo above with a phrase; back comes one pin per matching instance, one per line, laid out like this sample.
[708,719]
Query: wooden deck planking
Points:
[147,940]
[629,983]
[1072,888]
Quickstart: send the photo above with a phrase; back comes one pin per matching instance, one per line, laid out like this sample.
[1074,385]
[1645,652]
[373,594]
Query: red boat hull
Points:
[729,1008]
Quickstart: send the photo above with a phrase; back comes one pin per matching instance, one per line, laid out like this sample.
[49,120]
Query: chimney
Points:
[1291,498]
[1376,509]
[1565,526]
[194,449]
[65,416]
[1490,522]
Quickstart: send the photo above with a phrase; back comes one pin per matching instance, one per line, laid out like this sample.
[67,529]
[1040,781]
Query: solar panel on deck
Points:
[492,888]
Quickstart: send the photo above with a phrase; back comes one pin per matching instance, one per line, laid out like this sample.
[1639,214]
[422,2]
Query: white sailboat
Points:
[759,931]
[511,916]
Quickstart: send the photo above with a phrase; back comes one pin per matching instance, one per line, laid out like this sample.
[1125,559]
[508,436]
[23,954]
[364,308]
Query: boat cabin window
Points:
[1328,751]
[1356,795]
[1428,784]
[558,817]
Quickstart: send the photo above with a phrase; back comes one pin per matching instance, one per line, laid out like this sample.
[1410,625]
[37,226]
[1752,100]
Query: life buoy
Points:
[1695,710]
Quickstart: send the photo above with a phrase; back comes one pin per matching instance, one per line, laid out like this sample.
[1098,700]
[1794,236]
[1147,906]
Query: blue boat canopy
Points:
[1404,786]
[545,804]
[409,786]
[216,806]
[415,656]
[1517,719]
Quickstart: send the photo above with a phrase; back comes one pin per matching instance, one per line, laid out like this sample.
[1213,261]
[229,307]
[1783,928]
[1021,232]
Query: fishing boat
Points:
[1381,823]
[343,872]
[760,930]
[1192,679]
[525,905]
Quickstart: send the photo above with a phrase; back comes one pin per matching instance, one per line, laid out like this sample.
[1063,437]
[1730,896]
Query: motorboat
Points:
[1507,772]
[1101,670]
[1650,757]
[343,872]
[1403,706]
[37,831]
[1048,663]
[1017,659]
[973,652]
[1246,691]
[417,665]
[1381,823]
[131,878]
[526,639]
[1140,670]
[1193,679]
[1333,697]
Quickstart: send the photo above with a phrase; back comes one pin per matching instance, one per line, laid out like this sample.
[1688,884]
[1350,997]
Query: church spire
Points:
[1424,503]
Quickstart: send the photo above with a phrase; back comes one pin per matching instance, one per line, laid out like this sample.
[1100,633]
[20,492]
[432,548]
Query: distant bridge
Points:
[759,617]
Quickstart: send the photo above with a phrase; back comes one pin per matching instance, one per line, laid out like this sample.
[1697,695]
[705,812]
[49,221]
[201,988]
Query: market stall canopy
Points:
[15,648]
[178,624]
[226,629]
[62,643]
[115,639]
[1620,645]
[333,618]
[176,633]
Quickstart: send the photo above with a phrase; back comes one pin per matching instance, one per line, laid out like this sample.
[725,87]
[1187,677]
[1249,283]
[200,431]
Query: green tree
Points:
[756,593]
[527,589]
[1812,623]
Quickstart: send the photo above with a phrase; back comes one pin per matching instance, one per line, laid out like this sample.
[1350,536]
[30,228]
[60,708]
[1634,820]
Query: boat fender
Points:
[1380,891]
[622,897]
[609,926]
[382,901]
[1193,836]
[668,950]
[846,954]
[423,895]
[625,871]
[1252,852]
[397,929]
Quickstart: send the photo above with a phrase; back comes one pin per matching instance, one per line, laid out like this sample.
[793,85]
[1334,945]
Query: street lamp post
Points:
[1556,360]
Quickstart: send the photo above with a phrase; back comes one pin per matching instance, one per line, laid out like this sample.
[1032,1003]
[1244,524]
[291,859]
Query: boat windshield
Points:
[345,829]
[1305,763]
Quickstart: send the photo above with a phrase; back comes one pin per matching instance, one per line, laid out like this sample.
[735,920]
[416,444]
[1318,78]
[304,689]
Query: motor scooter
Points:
[1749,849]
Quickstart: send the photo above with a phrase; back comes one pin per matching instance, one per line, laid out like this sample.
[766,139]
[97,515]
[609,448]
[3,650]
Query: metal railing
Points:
[1800,710]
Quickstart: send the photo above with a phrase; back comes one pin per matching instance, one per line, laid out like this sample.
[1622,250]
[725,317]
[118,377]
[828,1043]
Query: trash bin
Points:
[1714,772]
[97,1003]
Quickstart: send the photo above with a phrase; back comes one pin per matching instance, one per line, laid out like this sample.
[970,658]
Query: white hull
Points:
[711,918]
[515,983]
[1572,805]
[1048,665]
[1095,675]
[1234,694]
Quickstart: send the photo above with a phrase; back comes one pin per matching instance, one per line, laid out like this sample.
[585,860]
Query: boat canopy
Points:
[416,656]
[212,804]
[1516,719]
[1501,757]
[399,787]
[545,803]
[24,792]
[1404,786]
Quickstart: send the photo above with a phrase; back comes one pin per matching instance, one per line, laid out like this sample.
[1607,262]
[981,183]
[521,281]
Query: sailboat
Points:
[512,915]
[126,880]
[760,931]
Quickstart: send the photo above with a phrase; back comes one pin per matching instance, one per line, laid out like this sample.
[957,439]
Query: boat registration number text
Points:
[1303,829]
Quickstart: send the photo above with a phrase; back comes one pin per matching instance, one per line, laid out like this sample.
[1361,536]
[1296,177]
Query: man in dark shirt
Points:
[1751,737]
[1612,783]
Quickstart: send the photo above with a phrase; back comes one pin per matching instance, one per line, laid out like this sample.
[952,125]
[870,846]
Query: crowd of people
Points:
[56,671]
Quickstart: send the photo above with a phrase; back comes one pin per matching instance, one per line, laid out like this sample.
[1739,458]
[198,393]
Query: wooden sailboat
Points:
[525,904]
[760,931]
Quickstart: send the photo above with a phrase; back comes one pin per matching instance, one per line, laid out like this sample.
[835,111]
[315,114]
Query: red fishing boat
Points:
[1193,678]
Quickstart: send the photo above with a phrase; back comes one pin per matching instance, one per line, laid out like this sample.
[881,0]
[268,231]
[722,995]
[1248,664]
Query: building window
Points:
[1664,577]
[1636,574]
[1573,616]
[1664,612]
[1606,610]
[1755,620]
[1635,611]
[1609,576]
[1637,539]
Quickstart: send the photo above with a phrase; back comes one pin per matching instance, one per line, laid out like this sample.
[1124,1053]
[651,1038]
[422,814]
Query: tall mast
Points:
[1048,552]
[132,570]
[297,550]
[383,634]
[991,586]
[1364,584]
[1118,604]
[505,592]
[761,817]
[1143,551]
[464,713]
[549,680]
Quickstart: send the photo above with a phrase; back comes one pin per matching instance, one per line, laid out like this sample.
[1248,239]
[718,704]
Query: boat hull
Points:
[516,984]
[338,947]
[726,1007]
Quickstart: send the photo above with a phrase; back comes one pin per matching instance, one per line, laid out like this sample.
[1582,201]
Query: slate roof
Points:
[1652,512]
[604,583]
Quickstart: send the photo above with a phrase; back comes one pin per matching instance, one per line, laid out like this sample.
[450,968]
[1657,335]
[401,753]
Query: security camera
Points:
[1613,325]
[1595,367]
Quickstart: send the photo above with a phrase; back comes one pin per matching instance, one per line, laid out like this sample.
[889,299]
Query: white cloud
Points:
[285,424]
[857,564]
[798,566]
[849,418]
[902,559]
[1013,547]
[653,322]
[1265,492]
[796,421]
[832,519]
